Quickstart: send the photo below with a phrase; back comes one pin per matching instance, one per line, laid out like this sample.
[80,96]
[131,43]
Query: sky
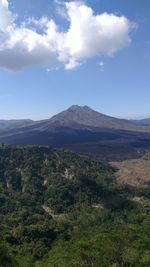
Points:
[54,54]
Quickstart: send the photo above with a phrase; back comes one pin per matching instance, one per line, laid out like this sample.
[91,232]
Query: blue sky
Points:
[115,83]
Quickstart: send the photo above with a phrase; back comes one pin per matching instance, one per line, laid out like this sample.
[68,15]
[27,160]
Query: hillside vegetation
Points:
[61,209]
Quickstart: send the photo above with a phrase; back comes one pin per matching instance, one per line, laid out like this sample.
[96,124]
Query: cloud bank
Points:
[42,42]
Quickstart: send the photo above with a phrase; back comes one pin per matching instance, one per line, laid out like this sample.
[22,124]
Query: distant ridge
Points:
[10,124]
[144,122]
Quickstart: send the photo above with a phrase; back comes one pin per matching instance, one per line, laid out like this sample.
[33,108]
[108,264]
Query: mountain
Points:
[6,125]
[84,130]
[77,116]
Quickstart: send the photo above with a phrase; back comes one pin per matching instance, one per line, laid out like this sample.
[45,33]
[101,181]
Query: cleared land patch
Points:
[135,172]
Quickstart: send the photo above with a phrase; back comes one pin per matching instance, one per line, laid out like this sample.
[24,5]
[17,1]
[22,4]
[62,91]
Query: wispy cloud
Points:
[87,36]
[101,65]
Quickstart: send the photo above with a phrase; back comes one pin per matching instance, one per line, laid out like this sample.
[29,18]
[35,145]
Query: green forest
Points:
[60,209]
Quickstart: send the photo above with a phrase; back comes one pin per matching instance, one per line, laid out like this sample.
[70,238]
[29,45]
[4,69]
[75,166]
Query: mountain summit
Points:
[79,115]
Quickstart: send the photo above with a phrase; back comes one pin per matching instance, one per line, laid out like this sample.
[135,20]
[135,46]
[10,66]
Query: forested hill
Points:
[60,203]
[55,178]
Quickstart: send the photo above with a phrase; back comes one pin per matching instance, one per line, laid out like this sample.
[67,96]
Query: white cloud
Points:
[72,64]
[6,17]
[41,41]
[101,64]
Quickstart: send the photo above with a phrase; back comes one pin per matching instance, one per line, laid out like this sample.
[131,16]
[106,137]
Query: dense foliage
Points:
[61,209]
